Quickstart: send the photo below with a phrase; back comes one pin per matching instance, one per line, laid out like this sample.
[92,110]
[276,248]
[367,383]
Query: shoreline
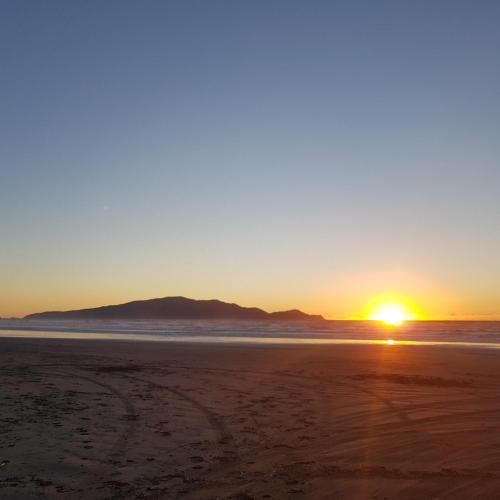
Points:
[236,340]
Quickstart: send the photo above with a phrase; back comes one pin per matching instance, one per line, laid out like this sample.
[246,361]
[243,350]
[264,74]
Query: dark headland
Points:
[177,308]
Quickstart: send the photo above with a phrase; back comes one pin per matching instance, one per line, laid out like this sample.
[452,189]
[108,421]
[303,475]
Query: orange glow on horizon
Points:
[392,312]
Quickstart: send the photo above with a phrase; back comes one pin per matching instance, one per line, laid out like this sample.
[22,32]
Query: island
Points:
[177,308]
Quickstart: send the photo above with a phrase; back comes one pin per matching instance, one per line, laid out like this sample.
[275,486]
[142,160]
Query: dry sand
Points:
[95,419]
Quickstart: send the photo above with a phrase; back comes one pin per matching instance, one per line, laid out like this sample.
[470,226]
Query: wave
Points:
[429,331]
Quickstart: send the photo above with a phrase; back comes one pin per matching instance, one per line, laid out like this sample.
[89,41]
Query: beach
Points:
[128,419]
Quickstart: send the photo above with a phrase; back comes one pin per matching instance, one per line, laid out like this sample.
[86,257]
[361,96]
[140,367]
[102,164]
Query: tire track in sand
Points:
[130,416]
[224,436]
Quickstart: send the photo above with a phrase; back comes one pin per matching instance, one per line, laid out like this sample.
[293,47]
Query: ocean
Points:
[480,333]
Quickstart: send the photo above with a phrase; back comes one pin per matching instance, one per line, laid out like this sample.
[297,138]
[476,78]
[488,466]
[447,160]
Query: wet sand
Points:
[112,419]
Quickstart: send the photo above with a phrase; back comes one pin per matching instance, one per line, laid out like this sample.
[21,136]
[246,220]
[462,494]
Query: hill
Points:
[177,308]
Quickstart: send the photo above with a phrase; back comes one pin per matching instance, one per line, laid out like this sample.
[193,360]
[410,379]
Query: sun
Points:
[392,314]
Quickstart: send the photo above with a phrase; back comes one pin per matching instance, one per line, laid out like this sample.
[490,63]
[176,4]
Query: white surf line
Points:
[209,339]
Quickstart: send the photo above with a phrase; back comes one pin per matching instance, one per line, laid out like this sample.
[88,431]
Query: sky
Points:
[279,154]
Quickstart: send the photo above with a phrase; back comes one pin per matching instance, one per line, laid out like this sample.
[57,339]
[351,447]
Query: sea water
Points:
[467,333]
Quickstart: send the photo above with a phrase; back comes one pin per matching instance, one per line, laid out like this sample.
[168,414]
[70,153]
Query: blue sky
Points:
[280,154]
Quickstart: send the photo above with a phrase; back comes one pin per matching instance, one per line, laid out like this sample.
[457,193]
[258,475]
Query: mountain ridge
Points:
[177,308]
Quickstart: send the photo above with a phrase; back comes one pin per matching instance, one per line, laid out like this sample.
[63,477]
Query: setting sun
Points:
[393,314]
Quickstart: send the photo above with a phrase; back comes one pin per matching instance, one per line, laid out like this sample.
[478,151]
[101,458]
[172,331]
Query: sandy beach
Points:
[112,419]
